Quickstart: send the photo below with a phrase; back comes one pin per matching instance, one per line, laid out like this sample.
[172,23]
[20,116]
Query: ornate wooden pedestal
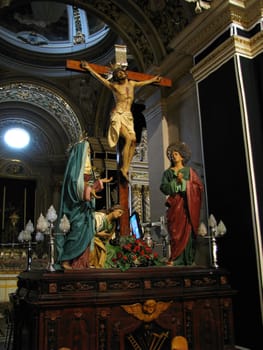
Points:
[142,308]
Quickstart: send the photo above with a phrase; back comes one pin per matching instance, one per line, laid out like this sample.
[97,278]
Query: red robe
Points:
[183,213]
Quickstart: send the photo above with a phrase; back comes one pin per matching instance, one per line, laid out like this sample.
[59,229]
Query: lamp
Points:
[164,234]
[216,230]
[25,236]
[46,226]
[14,218]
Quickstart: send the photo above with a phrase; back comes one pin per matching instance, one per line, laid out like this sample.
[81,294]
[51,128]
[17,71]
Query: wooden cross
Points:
[76,65]
[123,185]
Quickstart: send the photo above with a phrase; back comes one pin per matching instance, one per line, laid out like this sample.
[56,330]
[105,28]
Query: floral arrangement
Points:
[131,252]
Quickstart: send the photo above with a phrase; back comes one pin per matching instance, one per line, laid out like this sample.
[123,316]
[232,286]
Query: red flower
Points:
[148,250]
[136,249]
[134,252]
[119,255]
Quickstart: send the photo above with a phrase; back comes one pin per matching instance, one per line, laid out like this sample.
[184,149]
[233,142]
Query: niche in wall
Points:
[17,206]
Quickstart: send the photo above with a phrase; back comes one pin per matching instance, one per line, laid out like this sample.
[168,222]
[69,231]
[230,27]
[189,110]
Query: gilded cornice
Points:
[140,177]
[247,15]
[214,60]
[234,45]
[249,47]
[207,28]
[256,44]
[213,22]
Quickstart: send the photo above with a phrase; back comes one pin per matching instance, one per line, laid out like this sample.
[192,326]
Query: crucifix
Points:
[122,83]
[121,61]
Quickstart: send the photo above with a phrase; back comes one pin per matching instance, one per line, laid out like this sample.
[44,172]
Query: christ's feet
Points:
[125,174]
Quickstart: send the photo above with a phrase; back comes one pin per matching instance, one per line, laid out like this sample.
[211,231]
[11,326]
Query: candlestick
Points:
[3,212]
[25,236]
[215,232]
[46,225]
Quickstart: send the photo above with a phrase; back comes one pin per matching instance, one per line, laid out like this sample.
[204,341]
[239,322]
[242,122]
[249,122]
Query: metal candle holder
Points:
[25,237]
[215,232]
[46,225]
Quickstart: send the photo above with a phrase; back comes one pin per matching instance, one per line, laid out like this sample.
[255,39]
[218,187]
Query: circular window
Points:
[17,138]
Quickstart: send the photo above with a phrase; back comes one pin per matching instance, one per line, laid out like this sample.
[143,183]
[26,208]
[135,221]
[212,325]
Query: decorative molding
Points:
[14,168]
[148,311]
[175,17]
[128,29]
[236,29]
[48,100]
[136,280]
[213,61]
[235,45]
[206,28]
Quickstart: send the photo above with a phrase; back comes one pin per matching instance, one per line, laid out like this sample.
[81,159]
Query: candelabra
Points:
[147,237]
[216,231]
[46,226]
[165,238]
[25,237]
[164,234]
[14,218]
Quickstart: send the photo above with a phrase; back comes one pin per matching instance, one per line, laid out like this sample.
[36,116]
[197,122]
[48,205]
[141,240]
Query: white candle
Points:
[3,212]
[25,193]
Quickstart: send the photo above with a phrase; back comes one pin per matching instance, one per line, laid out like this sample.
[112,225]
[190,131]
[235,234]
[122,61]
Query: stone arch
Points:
[50,102]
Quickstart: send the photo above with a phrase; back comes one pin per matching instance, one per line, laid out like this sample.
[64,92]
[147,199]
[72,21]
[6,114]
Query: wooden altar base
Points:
[100,309]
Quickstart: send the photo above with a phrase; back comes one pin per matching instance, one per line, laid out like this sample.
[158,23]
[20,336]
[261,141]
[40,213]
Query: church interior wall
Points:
[156,156]
[252,76]
[223,146]
[218,152]
[227,180]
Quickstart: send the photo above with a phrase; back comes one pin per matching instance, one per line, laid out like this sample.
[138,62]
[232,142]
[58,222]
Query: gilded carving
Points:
[148,311]
[78,314]
[48,100]
[233,45]
[165,283]
[53,315]
[78,286]
[189,305]
[103,286]
[147,284]
[223,280]
[224,16]
[187,282]
[204,282]
[124,285]
[226,303]
[104,313]
[83,286]
[53,288]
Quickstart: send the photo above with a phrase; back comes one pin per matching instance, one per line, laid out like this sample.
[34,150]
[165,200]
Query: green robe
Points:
[79,212]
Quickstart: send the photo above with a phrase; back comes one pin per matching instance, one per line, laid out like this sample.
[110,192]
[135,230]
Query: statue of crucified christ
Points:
[121,119]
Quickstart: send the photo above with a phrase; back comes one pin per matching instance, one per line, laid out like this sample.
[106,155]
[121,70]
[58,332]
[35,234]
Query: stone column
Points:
[157,144]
